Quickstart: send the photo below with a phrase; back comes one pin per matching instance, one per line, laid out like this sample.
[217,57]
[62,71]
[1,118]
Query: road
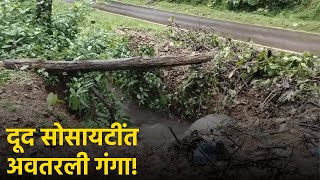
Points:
[266,36]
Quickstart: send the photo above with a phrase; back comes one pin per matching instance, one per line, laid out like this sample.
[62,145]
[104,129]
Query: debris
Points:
[316,151]
[208,153]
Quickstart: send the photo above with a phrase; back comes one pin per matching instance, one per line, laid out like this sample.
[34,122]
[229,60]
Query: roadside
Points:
[109,21]
[291,20]
[267,37]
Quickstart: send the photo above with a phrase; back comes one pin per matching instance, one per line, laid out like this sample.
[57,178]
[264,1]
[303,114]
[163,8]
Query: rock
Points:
[281,120]
[210,124]
[283,128]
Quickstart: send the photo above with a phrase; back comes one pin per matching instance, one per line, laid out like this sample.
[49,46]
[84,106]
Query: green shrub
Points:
[265,4]
[22,36]
[192,2]
[248,5]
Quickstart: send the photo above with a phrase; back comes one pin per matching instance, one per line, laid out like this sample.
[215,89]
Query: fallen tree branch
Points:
[108,65]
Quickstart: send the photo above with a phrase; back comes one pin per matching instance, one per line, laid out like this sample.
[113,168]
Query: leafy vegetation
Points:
[89,107]
[210,87]
[4,76]
[245,4]
[68,39]
[145,87]
[254,5]
[218,86]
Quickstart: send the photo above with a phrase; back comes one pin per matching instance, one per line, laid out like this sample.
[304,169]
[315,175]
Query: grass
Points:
[112,21]
[298,19]
[5,75]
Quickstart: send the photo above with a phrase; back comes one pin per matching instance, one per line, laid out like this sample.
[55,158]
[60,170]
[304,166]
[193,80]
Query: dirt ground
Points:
[275,144]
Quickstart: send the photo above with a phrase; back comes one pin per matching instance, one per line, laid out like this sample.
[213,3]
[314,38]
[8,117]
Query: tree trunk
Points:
[108,65]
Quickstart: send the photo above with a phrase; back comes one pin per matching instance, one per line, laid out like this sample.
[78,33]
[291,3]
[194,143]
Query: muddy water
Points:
[154,126]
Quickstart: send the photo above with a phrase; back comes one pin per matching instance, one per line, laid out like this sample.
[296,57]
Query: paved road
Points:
[272,37]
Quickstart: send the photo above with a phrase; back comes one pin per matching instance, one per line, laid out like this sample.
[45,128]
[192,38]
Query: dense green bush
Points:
[145,87]
[249,5]
[22,36]
[312,7]
[193,2]
[265,4]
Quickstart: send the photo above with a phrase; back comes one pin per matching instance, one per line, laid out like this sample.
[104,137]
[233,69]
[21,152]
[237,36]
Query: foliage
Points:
[21,36]
[146,50]
[52,100]
[234,70]
[50,80]
[313,10]
[193,2]
[193,95]
[313,6]
[69,38]
[216,86]
[146,87]
[265,4]
[82,101]
[5,75]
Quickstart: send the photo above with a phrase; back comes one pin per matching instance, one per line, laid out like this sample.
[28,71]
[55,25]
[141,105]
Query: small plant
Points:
[5,75]
[146,87]
[52,100]
[50,80]
[146,50]
[87,105]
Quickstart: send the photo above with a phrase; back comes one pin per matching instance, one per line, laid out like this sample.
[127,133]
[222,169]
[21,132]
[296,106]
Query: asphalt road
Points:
[266,36]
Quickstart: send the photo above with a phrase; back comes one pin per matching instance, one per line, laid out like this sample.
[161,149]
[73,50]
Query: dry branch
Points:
[109,65]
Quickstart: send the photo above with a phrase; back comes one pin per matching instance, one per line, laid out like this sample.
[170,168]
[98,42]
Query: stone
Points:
[210,124]
[281,120]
